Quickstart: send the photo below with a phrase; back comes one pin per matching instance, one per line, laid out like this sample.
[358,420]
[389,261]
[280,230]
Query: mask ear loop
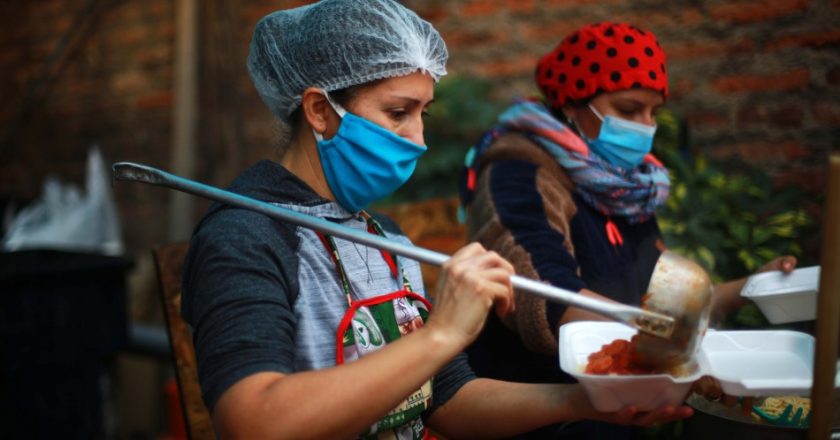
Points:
[596,112]
[573,123]
[336,107]
[577,127]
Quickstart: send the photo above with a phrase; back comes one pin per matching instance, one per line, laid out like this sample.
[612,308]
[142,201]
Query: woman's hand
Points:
[630,415]
[487,408]
[471,282]
[785,264]
[709,387]
[727,297]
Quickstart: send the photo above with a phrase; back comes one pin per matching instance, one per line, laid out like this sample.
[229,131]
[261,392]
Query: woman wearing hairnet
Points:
[304,335]
[565,188]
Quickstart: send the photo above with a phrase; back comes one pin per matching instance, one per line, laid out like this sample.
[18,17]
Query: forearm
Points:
[573,314]
[727,298]
[338,402]
[485,408]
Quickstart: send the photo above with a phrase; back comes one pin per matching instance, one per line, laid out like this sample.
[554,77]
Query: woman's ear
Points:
[316,109]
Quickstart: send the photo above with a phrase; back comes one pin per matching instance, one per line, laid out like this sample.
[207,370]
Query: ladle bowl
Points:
[682,289]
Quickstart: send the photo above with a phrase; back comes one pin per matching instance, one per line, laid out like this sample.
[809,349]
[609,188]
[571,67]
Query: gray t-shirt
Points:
[263,295]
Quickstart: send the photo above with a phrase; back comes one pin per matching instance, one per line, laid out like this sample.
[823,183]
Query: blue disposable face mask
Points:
[364,162]
[621,142]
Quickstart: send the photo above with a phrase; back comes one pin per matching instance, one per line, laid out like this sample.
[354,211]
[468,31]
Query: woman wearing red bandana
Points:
[566,189]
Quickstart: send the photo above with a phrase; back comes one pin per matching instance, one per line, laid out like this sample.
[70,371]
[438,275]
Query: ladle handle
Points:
[646,321]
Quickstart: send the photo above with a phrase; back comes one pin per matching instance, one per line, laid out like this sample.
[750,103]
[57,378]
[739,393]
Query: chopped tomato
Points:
[615,358]
[599,364]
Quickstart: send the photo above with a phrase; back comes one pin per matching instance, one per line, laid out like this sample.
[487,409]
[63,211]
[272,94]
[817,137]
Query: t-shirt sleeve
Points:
[448,381]
[238,287]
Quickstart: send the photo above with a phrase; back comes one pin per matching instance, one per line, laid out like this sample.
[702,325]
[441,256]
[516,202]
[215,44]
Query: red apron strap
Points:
[389,259]
[344,325]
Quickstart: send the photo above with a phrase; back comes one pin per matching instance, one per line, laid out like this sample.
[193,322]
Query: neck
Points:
[302,159]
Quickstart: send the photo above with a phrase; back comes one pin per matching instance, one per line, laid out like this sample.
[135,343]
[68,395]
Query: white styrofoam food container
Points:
[746,363]
[785,297]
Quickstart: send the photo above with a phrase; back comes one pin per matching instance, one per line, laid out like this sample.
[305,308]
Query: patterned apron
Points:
[371,323]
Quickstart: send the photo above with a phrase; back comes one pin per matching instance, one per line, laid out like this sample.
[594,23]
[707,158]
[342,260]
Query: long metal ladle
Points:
[646,321]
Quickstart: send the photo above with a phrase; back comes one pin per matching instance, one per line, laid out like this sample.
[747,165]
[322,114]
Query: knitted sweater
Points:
[526,209]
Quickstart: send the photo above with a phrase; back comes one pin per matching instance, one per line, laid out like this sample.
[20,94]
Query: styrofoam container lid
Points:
[759,362]
[746,363]
[785,297]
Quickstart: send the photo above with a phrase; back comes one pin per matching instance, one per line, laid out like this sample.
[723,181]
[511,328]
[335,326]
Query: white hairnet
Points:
[334,44]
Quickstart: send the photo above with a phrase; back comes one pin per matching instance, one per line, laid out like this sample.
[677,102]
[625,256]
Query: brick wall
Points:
[756,79]
[112,86]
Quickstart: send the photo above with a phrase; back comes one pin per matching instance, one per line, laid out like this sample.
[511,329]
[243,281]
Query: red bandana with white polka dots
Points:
[602,57]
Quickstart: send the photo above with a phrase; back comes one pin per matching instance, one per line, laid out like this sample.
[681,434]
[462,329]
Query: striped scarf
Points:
[634,194]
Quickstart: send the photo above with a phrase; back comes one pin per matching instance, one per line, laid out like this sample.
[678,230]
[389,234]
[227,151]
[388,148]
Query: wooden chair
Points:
[169,261]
